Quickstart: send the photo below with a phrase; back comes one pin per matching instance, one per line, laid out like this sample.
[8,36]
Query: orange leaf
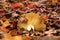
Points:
[4,29]
[31,6]
[17,5]
[44,16]
[26,38]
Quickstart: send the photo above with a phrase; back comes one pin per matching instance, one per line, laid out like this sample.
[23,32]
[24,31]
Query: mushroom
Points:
[34,21]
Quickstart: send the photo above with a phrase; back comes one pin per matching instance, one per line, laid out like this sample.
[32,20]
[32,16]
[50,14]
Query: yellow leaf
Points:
[54,1]
[7,36]
[6,23]
[17,38]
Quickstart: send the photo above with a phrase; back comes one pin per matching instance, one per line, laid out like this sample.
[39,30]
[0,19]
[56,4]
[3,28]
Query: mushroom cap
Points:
[34,20]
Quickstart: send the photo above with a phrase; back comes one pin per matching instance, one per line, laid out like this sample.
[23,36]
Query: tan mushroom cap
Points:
[34,20]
